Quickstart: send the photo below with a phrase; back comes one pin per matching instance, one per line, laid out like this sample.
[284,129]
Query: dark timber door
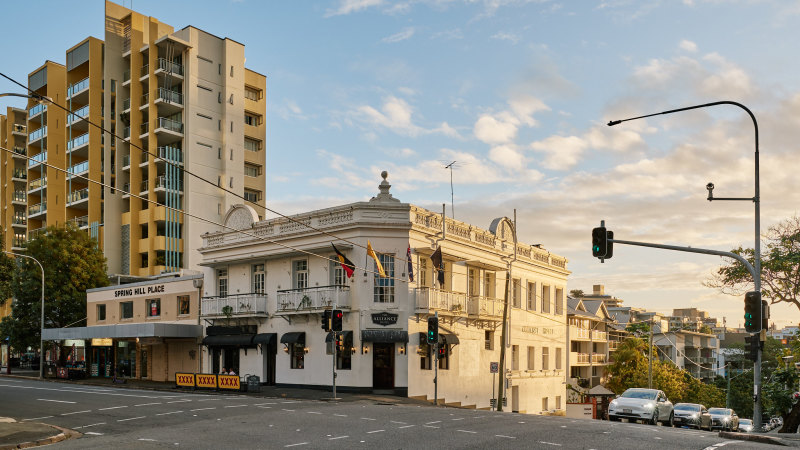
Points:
[383,365]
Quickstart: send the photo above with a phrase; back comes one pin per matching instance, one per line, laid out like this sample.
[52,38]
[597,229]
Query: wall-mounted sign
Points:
[144,290]
[384,318]
[102,342]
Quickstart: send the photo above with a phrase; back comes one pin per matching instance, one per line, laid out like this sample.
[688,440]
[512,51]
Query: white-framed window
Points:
[300,273]
[558,358]
[252,170]
[531,358]
[516,295]
[423,272]
[383,290]
[559,301]
[259,278]
[545,299]
[339,276]
[252,93]
[254,145]
[251,195]
[252,119]
[545,358]
[531,296]
[222,282]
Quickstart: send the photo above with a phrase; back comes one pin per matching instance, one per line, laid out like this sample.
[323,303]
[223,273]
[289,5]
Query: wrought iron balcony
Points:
[458,303]
[239,305]
[303,301]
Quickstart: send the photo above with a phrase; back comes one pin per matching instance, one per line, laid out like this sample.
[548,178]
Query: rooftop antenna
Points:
[452,206]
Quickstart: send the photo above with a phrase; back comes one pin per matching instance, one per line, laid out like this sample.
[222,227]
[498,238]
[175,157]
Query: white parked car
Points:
[647,405]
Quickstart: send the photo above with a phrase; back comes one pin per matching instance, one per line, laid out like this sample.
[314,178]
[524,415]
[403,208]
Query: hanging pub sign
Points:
[384,318]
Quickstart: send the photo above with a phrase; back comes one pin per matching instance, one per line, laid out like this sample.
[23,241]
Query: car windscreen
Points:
[647,395]
[685,407]
[745,422]
[720,411]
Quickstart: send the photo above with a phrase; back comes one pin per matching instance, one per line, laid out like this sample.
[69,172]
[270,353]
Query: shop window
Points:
[297,354]
[126,310]
[384,286]
[153,307]
[101,313]
[183,305]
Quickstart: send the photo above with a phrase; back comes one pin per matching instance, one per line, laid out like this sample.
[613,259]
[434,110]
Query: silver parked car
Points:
[648,405]
[724,419]
[746,425]
[693,416]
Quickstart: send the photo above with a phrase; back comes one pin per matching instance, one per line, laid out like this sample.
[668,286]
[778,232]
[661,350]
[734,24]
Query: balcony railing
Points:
[126,160]
[78,115]
[143,186]
[78,87]
[169,124]
[19,196]
[37,109]
[173,154]
[33,234]
[236,305]
[170,96]
[20,173]
[79,168]
[144,158]
[37,159]
[144,128]
[80,194]
[169,66]
[145,70]
[126,132]
[126,188]
[78,141]
[80,222]
[126,76]
[311,299]
[20,151]
[599,335]
[598,358]
[578,333]
[458,303]
[37,134]
[37,183]
[37,208]
[19,128]
[126,104]
[161,182]
[20,219]
[19,242]
[613,345]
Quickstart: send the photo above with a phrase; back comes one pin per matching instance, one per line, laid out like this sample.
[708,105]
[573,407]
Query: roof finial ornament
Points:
[384,195]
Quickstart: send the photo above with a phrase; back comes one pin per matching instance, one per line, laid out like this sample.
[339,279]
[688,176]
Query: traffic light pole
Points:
[436,365]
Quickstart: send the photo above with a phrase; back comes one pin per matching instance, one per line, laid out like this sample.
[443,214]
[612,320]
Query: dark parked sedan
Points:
[692,415]
[724,419]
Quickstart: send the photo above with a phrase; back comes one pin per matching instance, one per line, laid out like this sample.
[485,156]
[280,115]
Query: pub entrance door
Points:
[383,365]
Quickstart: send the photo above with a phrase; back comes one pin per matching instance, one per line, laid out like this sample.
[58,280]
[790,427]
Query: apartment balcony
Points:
[19,220]
[78,143]
[126,162]
[19,130]
[598,336]
[36,111]
[79,92]
[19,153]
[126,106]
[126,190]
[81,222]
[613,345]
[37,135]
[144,159]
[79,169]
[579,334]
[457,304]
[37,184]
[585,359]
[169,68]
[312,300]
[144,187]
[168,102]
[168,131]
[33,234]
[76,119]
[78,198]
[126,133]
[126,78]
[35,210]
[144,72]
[239,305]
[37,159]
[162,184]
[19,198]
[19,175]
[171,154]
[18,243]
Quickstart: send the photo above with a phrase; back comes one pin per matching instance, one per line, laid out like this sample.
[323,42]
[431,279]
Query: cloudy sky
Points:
[518,93]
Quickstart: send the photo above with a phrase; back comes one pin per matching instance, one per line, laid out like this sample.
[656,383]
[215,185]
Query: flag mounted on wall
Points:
[438,266]
[410,266]
[378,264]
[347,265]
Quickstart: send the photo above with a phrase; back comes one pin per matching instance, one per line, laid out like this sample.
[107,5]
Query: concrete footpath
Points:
[15,434]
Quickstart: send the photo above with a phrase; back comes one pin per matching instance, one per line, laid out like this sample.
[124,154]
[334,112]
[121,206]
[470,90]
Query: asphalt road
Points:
[119,418]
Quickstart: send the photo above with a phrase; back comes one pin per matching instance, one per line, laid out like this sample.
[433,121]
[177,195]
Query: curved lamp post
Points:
[41,332]
[756,199]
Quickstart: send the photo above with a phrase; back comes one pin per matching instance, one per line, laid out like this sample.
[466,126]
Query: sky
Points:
[518,93]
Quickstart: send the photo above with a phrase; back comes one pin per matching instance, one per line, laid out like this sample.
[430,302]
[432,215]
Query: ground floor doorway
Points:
[382,365]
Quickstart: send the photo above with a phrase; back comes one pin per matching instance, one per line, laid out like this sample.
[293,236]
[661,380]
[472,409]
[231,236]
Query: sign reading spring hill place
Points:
[144,290]
[384,318]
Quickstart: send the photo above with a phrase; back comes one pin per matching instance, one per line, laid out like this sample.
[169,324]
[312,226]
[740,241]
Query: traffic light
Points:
[609,244]
[326,320]
[599,242]
[433,330]
[752,347]
[336,319]
[752,311]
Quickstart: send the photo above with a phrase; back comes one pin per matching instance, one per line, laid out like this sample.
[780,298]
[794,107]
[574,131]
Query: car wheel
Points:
[654,419]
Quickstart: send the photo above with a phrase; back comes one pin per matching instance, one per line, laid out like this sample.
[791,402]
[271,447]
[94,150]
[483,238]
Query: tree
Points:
[780,266]
[6,276]
[638,327]
[706,329]
[72,264]
[576,293]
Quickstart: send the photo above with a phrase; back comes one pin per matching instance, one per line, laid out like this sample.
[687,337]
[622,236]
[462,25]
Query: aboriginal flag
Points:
[348,266]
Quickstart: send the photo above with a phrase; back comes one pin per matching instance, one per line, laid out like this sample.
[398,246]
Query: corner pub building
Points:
[292,267]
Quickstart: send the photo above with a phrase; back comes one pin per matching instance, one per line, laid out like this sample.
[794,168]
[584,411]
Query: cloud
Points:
[401,36]
[505,36]
[396,115]
[502,127]
[448,34]
[352,6]
[561,152]
[507,157]
[688,46]
[492,131]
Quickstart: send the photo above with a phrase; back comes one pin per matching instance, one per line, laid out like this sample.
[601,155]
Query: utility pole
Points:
[452,207]
[650,352]
[436,365]
[501,383]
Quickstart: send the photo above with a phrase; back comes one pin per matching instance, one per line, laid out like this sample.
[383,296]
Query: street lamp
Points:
[756,199]
[41,332]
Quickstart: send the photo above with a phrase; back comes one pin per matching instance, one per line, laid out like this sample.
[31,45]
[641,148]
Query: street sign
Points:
[494,367]
[493,402]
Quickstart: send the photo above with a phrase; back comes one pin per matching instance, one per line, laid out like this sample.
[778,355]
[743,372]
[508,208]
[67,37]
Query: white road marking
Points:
[113,407]
[76,412]
[93,433]
[376,431]
[314,412]
[268,403]
[202,409]
[504,436]
[337,437]
[550,443]
[406,426]
[340,415]
[290,410]
[38,418]
[208,399]
[435,421]
[295,445]
[132,418]
[147,439]
[177,401]
[658,437]
[148,404]
[92,425]
[396,421]
[57,401]
[460,418]
[89,391]
[235,406]
[467,431]
[368,418]
[168,413]
[293,401]
[266,407]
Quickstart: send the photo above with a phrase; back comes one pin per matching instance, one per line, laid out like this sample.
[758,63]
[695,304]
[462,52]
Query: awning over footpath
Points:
[384,336]
[265,338]
[294,337]
[127,330]
[229,340]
